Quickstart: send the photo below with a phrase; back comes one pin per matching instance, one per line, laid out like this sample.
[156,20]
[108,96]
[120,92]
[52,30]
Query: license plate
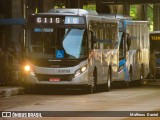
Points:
[54,79]
[61,71]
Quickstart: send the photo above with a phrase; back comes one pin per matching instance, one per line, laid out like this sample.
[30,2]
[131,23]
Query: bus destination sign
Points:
[155,37]
[59,20]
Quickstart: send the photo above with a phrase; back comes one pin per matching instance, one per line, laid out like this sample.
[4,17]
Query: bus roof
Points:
[103,18]
[154,32]
[136,21]
[73,11]
[117,16]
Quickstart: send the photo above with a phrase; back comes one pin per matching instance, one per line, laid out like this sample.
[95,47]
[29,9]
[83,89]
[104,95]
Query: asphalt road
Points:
[120,102]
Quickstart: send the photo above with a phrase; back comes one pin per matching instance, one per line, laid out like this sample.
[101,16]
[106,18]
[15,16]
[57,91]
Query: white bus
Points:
[137,56]
[130,61]
[70,48]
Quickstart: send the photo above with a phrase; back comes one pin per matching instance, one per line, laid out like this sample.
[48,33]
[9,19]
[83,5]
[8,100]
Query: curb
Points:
[153,83]
[10,91]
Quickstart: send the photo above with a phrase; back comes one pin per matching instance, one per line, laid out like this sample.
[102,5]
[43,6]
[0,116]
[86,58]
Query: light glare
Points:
[27,68]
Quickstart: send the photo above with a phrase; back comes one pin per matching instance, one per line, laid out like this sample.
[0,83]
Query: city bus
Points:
[137,61]
[154,38]
[133,64]
[71,48]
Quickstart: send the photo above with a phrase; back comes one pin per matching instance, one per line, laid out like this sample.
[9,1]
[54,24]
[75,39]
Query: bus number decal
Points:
[57,20]
[75,20]
[39,20]
[51,20]
[71,20]
[45,20]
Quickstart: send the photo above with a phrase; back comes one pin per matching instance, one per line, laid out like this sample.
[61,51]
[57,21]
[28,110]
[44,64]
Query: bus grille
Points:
[42,77]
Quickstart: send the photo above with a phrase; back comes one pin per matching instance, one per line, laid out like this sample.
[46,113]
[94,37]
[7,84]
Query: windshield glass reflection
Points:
[57,43]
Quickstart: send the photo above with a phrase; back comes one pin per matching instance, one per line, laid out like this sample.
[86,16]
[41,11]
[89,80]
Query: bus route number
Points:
[48,20]
[72,20]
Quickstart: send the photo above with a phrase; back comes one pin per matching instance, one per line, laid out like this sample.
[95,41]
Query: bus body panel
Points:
[138,31]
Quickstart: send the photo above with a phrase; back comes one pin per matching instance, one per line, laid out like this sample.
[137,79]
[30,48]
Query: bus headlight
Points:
[80,71]
[83,69]
[27,68]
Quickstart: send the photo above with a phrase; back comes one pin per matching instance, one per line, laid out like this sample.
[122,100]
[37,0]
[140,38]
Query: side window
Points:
[93,26]
[122,47]
[106,34]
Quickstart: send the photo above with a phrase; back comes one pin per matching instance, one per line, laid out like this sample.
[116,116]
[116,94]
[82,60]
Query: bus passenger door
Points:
[123,50]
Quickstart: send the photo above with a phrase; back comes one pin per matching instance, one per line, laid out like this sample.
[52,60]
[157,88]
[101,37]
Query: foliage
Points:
[133,11]
[89,7]
[133,14]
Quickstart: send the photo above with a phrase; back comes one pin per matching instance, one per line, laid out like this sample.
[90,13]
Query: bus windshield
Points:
[154,43]
[57,43]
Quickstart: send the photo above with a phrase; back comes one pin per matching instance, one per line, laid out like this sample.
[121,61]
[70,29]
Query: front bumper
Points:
[48,79]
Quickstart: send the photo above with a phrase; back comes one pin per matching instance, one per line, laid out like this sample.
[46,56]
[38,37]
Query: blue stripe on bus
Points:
[122,62]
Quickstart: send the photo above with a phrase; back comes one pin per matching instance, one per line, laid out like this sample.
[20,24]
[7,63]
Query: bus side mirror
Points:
[128,41]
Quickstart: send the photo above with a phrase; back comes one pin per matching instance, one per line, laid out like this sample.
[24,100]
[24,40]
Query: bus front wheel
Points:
[94,82]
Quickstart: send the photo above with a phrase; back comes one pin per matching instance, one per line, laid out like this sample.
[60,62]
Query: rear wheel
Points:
[130,77]
[141,81]
[109,79]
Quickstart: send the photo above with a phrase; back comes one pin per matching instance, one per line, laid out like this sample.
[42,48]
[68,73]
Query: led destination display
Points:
[57,20]
[154,36]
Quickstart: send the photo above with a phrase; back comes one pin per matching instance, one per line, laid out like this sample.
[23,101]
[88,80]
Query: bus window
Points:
[72,43]
[122,47]
[106,34]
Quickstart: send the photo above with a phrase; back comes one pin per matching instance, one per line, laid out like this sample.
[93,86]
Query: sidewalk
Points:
[6,91]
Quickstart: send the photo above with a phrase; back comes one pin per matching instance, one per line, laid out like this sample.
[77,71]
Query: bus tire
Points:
[141,79]
[93,86]
[130,77]
[109,79]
